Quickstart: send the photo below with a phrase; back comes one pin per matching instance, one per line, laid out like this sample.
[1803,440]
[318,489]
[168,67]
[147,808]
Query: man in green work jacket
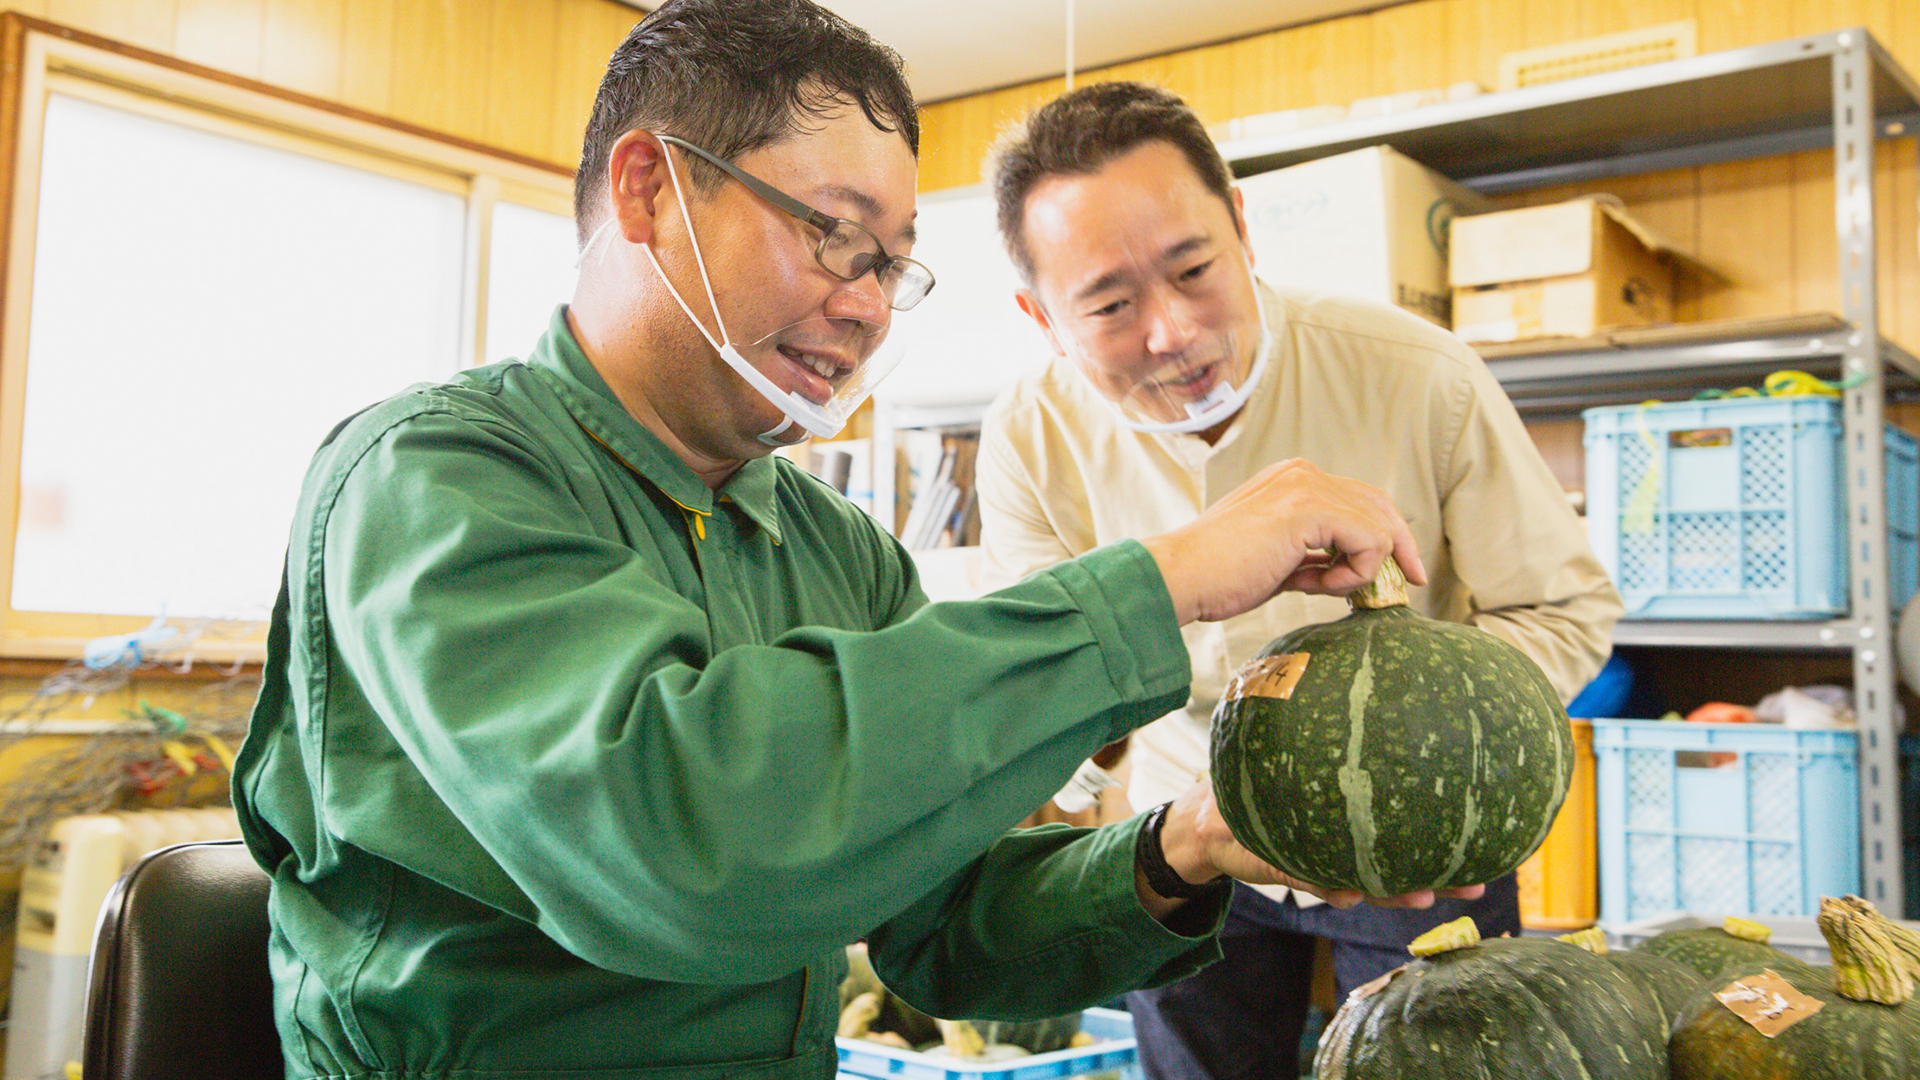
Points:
[592,733]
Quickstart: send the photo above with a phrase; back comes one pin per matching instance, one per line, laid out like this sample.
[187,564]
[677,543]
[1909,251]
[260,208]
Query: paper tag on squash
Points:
[1268,677]
[1368,989]
[1768,1002]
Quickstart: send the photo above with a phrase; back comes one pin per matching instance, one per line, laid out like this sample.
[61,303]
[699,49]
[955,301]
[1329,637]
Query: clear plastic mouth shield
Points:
[1165,348]
[816,371]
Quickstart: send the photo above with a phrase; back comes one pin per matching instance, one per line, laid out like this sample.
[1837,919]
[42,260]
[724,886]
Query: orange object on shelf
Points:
[1559,884]
[1721,712]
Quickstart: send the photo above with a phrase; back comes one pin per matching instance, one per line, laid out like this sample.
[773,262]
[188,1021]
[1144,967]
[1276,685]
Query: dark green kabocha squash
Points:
[1788,1020]
[1709,950]
[1670,983]
[1528,1008]
[1389,752]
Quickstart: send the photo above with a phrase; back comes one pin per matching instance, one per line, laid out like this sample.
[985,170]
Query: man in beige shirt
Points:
[1177,376]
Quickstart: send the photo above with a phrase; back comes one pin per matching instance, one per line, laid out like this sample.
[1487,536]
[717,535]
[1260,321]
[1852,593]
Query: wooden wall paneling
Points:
[940,139]
[583,44]
[1548,22]
[1820,16]
[955,136]
[302,46]
[1562,443]
[366,55]
[1551,193]
[1266,79]
[1742,204]
[1895,223]
[1812,232]
[1413,48]
[1735,24]
[1885,19]
[146,23]
[1905,202]
[522,53]
[439,69]
[223,34]
[1203,77]
[1617,16]
[1668,203]
[1479,33]
[1215,82]
[1903,34]
[1330,62]
[1255,89]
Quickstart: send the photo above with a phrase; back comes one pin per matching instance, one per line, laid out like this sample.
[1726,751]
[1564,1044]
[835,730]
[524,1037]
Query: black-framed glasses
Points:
[846,250]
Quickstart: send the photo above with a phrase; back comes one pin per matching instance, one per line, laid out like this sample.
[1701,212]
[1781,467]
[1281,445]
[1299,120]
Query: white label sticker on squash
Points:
[1768,1002]
[1267,676]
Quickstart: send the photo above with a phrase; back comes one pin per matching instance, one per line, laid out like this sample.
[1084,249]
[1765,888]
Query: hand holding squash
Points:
[1270,535]
[1199,846]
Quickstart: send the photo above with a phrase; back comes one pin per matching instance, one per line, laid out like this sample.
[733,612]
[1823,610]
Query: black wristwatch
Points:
[1162,878]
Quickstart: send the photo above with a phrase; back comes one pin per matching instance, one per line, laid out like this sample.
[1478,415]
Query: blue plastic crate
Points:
[1732,508]
[1724,818]
[1114,1057]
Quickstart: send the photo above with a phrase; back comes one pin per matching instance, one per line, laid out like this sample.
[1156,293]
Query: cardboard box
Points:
[1370,223]
[1566,269]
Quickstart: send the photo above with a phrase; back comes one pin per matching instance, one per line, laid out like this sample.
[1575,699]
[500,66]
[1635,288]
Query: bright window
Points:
[216,276]
[531,261]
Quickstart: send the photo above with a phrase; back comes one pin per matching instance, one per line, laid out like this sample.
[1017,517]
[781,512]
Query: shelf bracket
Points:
[1863,424]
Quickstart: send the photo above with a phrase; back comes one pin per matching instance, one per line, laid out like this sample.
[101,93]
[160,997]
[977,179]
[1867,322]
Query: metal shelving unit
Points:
[1840,90]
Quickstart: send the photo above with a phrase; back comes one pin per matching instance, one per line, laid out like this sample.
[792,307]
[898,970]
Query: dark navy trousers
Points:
[1243,1016]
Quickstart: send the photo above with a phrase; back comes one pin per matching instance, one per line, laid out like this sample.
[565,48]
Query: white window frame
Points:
[47,58]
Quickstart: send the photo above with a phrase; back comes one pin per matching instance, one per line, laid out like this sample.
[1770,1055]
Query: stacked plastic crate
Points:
[1731,508]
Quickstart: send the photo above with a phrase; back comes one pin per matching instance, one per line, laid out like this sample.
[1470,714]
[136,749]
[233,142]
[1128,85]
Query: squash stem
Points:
[1387,589]
[1461,933]
[1867,965]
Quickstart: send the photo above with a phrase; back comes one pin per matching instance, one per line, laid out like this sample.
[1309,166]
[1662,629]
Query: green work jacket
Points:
[568,766]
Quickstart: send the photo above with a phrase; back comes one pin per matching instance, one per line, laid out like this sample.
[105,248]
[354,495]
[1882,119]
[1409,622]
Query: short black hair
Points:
[1078,132]
[734,75]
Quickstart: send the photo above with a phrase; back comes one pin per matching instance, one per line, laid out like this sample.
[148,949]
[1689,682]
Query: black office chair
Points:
[178,986]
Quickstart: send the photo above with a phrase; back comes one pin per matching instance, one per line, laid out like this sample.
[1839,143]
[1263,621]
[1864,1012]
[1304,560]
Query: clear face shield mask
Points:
[1202,374]
[831,365]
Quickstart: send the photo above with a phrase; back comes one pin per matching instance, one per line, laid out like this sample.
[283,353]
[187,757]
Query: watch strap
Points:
[1152,861]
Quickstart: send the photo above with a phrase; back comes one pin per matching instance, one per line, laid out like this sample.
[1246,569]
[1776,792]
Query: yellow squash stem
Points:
[1387,589]
[961,1038]
[1905,941]
[1458,934]
[1867,966]
[1593,939]
[1748,929]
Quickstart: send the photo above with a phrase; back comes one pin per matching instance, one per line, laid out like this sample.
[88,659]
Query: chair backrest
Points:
[178,983]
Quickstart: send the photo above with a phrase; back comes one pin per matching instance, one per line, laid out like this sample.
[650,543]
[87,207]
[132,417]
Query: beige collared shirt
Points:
[1361,390]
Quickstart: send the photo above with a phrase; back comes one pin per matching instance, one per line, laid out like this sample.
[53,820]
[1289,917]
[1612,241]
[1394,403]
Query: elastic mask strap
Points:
[723,346]
[772,437]
[598,235]
[699,261]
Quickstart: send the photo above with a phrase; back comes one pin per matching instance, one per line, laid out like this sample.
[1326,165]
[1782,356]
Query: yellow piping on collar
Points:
[696,519]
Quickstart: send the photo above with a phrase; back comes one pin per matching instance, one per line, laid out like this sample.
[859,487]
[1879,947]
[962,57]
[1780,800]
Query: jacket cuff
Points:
[1119,590]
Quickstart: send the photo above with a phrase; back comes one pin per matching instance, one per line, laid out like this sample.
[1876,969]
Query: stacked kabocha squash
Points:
[1696,1004]
[1857,1018]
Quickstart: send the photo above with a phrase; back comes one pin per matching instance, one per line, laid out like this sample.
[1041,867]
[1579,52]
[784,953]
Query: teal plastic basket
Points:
[1114,1057]
[1732,508]
[1724,818]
